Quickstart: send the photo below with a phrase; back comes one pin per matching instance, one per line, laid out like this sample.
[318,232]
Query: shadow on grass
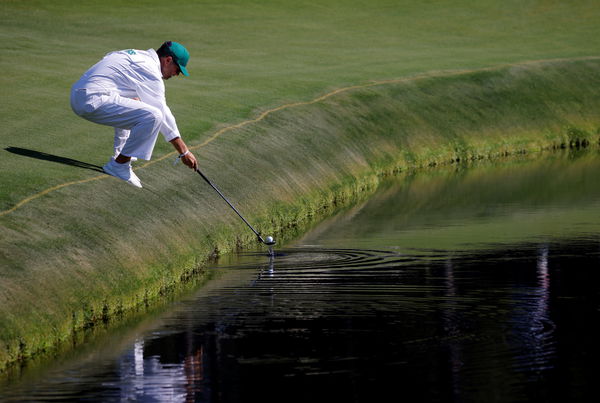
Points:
[53,158]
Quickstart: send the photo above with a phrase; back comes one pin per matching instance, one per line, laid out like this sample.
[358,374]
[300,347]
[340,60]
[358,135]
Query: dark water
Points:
[471,284]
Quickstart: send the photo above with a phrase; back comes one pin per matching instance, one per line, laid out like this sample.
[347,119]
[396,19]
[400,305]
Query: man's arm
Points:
[188,159]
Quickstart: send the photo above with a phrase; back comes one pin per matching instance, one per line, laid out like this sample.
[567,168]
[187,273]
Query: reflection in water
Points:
[533,341]
[542,325]
[419,292]
[356,324]
[450,317]
[141,376]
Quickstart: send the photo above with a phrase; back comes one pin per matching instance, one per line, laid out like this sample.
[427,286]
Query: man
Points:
[125,90]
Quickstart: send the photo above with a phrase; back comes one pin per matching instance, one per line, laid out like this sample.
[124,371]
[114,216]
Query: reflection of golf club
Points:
[267,241]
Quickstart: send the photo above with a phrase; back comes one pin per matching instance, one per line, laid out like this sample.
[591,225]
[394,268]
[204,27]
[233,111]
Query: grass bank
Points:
[89,255]
[295,108]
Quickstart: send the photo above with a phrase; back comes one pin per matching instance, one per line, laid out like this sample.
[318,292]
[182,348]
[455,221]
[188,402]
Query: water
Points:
[469,284]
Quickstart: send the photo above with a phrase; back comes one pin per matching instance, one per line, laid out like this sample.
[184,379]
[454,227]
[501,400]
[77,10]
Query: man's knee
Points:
[154,116]
[82,103]
[158,116]
[148,121]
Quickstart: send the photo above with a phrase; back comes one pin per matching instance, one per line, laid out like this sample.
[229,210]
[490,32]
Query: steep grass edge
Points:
[342,145]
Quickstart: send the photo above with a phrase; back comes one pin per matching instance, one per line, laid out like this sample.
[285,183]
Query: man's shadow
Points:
[53,158]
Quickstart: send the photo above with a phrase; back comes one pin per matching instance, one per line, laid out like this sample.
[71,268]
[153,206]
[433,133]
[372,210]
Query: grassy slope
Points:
[71,250]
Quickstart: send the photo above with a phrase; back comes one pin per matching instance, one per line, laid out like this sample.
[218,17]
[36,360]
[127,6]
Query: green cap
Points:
[180,55]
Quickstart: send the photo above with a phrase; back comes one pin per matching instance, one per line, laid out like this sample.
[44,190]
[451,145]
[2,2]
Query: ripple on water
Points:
[343,320]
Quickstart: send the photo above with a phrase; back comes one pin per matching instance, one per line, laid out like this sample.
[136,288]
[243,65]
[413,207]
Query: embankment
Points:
[90,251]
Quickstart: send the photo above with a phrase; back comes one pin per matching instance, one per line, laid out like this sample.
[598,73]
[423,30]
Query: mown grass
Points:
[87,251]
[248,57]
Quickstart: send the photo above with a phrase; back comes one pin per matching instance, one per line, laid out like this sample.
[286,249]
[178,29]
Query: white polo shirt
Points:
[132,73]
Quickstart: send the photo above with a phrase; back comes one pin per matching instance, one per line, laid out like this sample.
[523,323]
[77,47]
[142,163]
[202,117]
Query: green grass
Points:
[94,248]
[247,57]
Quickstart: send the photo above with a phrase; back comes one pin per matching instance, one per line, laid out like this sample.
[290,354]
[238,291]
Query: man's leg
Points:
[121,136]
[141,120]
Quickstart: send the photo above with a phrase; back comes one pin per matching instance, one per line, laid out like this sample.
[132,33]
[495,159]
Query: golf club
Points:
[267,241]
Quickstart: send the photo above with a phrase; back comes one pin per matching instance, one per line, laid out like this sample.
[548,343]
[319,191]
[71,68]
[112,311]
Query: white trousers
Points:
[121,136]
[136,123]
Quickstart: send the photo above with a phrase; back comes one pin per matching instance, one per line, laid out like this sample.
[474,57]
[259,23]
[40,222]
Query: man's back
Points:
[123,72]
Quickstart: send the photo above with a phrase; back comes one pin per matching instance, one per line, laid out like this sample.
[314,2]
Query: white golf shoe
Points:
[122,171]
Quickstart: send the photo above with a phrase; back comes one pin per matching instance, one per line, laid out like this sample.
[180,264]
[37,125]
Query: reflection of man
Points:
[125,90]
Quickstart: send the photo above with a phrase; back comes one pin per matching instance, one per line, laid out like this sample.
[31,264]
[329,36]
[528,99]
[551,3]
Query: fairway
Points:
[248,57]
[291,107]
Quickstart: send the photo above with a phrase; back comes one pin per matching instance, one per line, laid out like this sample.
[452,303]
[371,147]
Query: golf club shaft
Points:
[228,202]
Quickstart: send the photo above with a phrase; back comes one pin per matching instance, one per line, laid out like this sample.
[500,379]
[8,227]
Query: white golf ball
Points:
[269,239]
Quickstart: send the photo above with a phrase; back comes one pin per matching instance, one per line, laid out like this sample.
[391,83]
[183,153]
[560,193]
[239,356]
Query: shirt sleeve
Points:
[152,92]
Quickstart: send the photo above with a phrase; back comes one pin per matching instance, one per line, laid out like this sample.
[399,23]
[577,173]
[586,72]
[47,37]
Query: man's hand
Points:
[190,160]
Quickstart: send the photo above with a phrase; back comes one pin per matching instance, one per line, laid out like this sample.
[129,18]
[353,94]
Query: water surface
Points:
[463,284]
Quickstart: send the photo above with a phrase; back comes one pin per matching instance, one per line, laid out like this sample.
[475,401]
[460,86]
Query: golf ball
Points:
[269,239]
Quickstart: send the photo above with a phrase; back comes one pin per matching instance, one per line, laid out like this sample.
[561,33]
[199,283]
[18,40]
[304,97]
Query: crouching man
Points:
[126,90]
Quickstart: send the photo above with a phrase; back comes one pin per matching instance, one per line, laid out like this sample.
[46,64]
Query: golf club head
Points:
[269,241]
